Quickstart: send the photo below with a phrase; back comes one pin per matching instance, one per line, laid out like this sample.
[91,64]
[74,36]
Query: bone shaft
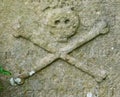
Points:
[41,64]
[46,61]
[97,73]
[23,75]
[94,32]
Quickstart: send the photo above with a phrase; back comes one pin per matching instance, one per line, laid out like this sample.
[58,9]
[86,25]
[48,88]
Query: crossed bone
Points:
[99,74]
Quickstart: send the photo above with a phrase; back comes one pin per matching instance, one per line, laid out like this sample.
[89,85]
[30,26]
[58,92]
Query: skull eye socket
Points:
[57,22]
[72,8]
[66,21]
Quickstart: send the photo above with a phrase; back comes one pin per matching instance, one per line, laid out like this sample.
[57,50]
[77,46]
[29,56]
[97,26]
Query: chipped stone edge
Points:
[31,73]
[15,81]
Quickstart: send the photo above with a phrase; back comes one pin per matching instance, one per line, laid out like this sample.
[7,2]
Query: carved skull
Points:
[61,22]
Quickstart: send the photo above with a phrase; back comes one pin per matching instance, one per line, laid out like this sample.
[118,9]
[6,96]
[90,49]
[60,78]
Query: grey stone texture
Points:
[65,43]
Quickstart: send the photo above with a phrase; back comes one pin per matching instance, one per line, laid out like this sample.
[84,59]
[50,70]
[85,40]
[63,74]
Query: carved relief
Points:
[59,25]
[61,22]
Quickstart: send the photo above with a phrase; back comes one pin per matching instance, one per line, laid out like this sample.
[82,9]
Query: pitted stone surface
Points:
[24,18]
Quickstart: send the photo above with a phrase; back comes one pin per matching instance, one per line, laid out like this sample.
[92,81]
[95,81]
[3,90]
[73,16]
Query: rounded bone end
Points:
[102,76]
[16,81]
[105,30]
[105,27]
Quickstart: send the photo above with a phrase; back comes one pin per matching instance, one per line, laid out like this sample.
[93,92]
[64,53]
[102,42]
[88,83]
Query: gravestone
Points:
[60,48]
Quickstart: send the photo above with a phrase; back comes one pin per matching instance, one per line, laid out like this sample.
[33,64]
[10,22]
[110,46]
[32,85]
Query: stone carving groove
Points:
[62,27]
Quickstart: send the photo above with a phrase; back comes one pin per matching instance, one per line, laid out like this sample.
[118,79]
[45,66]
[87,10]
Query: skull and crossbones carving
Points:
[54,22]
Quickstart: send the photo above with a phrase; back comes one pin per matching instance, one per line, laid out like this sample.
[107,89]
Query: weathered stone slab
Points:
[60,48]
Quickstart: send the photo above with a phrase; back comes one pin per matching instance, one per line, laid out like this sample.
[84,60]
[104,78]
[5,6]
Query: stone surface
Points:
[30,30]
